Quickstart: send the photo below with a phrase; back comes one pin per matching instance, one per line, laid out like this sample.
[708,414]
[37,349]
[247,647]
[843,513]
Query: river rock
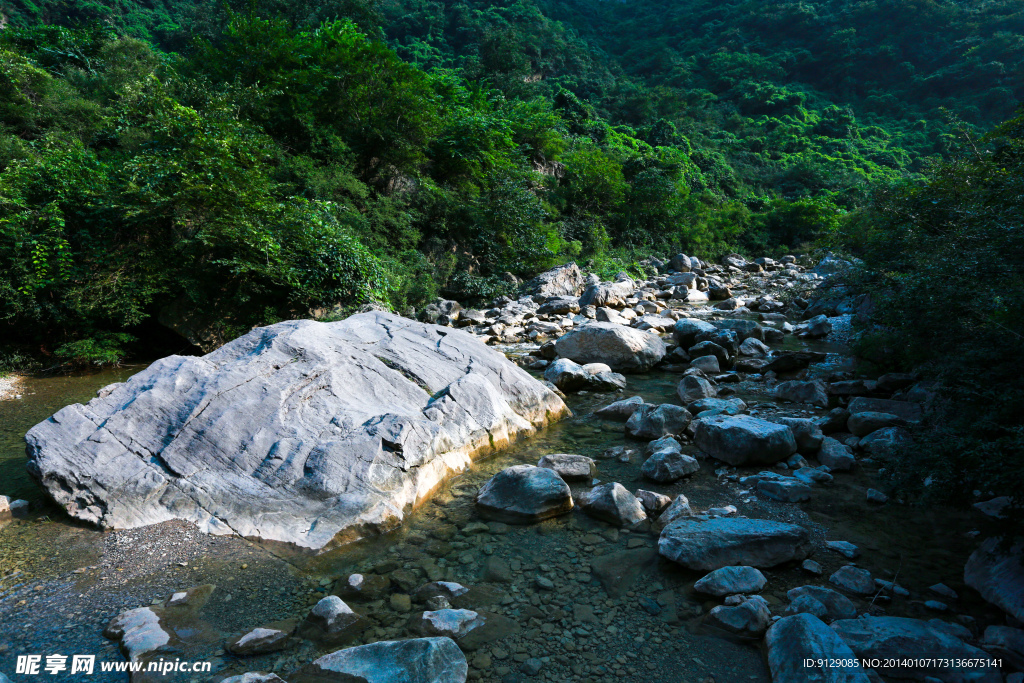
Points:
[652,501]
[677,509]
[814,393]
[818,326]
[620,411]
[522,494]
[564,280]
[884,441]
[622,348]
[570,376]
[139,633]
[784,489]
[693,388]
[834,605]
[911,412]
[750,618]
[835,456]
[853,579]
[257,642]
[707,364]
[793,640]
[614,504]
[722,541]
[807,433]
[665,443]
[668,466]
[331,621]
[570,467]
[655,421]
[454,623]
[916,643]
[247,677]
[608,293]
[303,432]
[744,440]
[754,348]
[997,572]
[726,406]
[559,305]
[866,422]
[362,587]
[417,660]
[1006,642]
[730,581]
[686,330]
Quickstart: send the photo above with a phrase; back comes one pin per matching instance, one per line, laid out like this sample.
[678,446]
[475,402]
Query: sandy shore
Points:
[10,386]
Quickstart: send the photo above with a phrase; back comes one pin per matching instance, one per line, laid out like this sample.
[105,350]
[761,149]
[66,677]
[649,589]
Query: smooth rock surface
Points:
[614,504]
[522,494]
[655,421]
[744,440]
[722,541]
[792,640]
[303,432]
[624,349]
[418,660]
[997,572]
[730,581]
[668,466]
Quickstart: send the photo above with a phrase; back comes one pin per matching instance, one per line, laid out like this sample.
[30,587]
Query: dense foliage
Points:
[215,165]
[945,268]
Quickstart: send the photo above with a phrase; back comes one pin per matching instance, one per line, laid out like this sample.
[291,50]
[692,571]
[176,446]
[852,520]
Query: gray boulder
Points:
[614,504]
[570,467]
[564,280]
[996,571]
[560,305]
[722,541]
[652,501]
[911,412]
[731,581]
[607,293]
[923,650]
[668,466]
[258,641]
[569,376]
[522,494]
[834,604]
[693,388]
[655,421]
[620,411]
[331,622]
[864,423]
[791,641]
[807,433]
[835,455]
[686,330]
[818,326]
[784,489]
[884,441]
[814,393]
[750,618]
[624,349]
[417,660]
[728,406]
[853,579]
[301,432]
[744,440]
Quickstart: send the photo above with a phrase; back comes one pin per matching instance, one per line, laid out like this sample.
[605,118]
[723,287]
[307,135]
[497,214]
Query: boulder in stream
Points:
[709,544]
[303,432]
[522,494]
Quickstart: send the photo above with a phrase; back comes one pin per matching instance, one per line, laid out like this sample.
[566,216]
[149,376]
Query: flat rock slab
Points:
[302,432]
[721,542]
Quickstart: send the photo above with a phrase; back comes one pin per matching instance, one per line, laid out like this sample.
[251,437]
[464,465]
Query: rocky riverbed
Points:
[764,453]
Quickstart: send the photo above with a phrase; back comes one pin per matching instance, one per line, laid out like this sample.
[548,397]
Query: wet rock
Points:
[668,466]
[811,567]
[569,467]
[853,579]
[724,406]
[417,660]
[607,293]
[395,408]
[807,433]
[835,456]
[569,376]
[750,618]
[818,326]
[862,424]
[791,641]
[707,364]
[560,305]
[833,604]
[813,393]
[722,541]
[522,494]
[139,634]
[652,501]
[453,623]
[693,388]
[730,581]
[997,572]
[812,476]
[754,348]
[331,622]
[624,349]
[447,589]
[744,440]
[620,411]
[10,509]
[708,348]
[258,641]
[655,421]
[898,637]
[665,443]
[532,666]
[614,504]
[495,570]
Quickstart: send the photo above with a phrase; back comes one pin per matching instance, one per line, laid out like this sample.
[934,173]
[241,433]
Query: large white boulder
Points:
[624,349]
[303,432]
